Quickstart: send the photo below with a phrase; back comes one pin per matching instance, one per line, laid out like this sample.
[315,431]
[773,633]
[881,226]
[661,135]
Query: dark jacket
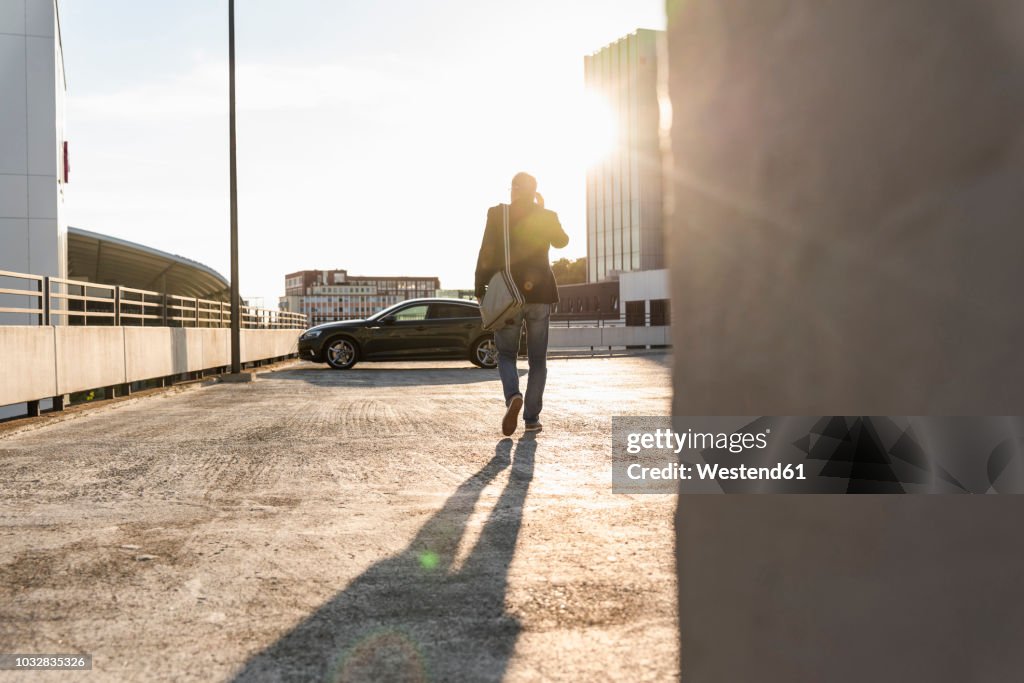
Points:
[531,231]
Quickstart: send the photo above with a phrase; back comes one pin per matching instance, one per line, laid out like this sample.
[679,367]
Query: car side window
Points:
[438,311]
[412,313]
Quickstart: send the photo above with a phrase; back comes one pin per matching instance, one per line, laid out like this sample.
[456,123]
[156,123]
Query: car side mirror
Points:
[388,320]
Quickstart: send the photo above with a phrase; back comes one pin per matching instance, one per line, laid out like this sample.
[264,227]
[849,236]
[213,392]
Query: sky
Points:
[372,136]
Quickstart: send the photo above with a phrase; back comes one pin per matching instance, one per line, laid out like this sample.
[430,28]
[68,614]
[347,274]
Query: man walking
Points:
[532,230]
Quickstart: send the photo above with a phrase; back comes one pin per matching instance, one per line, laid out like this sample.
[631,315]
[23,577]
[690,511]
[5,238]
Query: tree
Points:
[570,272]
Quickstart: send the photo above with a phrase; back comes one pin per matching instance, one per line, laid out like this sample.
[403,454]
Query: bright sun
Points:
[569,138]
[558,141]
[593,130]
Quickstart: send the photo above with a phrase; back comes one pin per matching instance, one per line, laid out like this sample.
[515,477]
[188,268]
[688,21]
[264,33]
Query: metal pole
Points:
[236,314]
[44,288]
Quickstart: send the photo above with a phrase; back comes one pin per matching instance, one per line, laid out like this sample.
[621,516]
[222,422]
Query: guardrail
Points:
[76,302]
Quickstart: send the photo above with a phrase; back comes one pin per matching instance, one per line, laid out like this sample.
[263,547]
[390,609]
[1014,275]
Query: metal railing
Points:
[56,300]
[36,293]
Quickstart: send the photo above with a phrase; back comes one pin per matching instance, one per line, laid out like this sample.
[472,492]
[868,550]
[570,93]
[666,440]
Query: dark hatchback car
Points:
[418,329]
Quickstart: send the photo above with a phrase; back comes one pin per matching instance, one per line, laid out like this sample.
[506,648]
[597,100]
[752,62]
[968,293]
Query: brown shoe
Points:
[508,424]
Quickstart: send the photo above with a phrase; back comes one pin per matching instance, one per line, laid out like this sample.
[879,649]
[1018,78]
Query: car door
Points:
[401,334]
[451,327]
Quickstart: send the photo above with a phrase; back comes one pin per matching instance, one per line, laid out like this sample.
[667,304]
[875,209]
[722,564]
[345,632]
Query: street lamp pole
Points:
[236,308]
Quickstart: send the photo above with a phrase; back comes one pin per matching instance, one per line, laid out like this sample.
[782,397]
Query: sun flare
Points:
[593,132]
[566,140]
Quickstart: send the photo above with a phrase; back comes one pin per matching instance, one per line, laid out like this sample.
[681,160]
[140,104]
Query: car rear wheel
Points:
[484,352]
[341,353]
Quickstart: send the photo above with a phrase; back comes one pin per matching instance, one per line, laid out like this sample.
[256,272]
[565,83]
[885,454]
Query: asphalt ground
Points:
[363,525]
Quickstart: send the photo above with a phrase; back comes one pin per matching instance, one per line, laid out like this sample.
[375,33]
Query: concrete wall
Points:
[644,285]
[162,351]
[846,240]
[215,347]
[585,337]
[28,363]
[39,362]
[89,357]
[33,231]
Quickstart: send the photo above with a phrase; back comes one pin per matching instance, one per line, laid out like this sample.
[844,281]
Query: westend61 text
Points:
[680,471]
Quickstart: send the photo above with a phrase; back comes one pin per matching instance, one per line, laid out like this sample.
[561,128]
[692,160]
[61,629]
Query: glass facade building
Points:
[624,189]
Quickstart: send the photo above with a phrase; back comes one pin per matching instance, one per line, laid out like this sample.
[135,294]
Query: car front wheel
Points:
[484,352]
[341,353]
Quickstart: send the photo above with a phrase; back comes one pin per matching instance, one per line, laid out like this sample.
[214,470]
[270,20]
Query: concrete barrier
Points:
[597,337]
[212,348]
[41,362]
[260,344]
[29,363]
[89,357]
[155,351]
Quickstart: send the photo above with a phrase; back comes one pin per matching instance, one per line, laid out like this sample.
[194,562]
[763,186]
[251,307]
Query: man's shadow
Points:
[413,617]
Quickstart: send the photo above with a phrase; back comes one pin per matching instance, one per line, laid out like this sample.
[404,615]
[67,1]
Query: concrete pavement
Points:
[320,525]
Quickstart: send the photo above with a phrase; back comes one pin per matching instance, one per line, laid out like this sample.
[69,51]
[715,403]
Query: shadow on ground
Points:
[361,376]
[415,617]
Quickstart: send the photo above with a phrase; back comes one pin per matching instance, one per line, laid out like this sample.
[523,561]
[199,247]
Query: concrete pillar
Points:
[845,239]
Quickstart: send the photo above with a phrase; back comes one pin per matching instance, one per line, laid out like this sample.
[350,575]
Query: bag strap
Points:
[508,259]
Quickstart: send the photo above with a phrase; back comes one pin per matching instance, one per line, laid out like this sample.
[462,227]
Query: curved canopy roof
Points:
[114,261]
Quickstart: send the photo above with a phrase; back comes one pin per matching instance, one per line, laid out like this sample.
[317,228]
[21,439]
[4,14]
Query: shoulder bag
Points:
[502,300]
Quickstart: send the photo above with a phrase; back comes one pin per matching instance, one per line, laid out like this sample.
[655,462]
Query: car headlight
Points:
[311,334]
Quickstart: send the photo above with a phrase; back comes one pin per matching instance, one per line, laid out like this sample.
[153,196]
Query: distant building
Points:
[329,295]
[624,190]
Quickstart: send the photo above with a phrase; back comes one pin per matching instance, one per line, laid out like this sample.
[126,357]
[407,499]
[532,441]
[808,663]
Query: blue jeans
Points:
[536,317]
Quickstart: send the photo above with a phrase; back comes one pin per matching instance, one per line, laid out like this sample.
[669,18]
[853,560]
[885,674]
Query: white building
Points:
[645,294]
[33,147]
